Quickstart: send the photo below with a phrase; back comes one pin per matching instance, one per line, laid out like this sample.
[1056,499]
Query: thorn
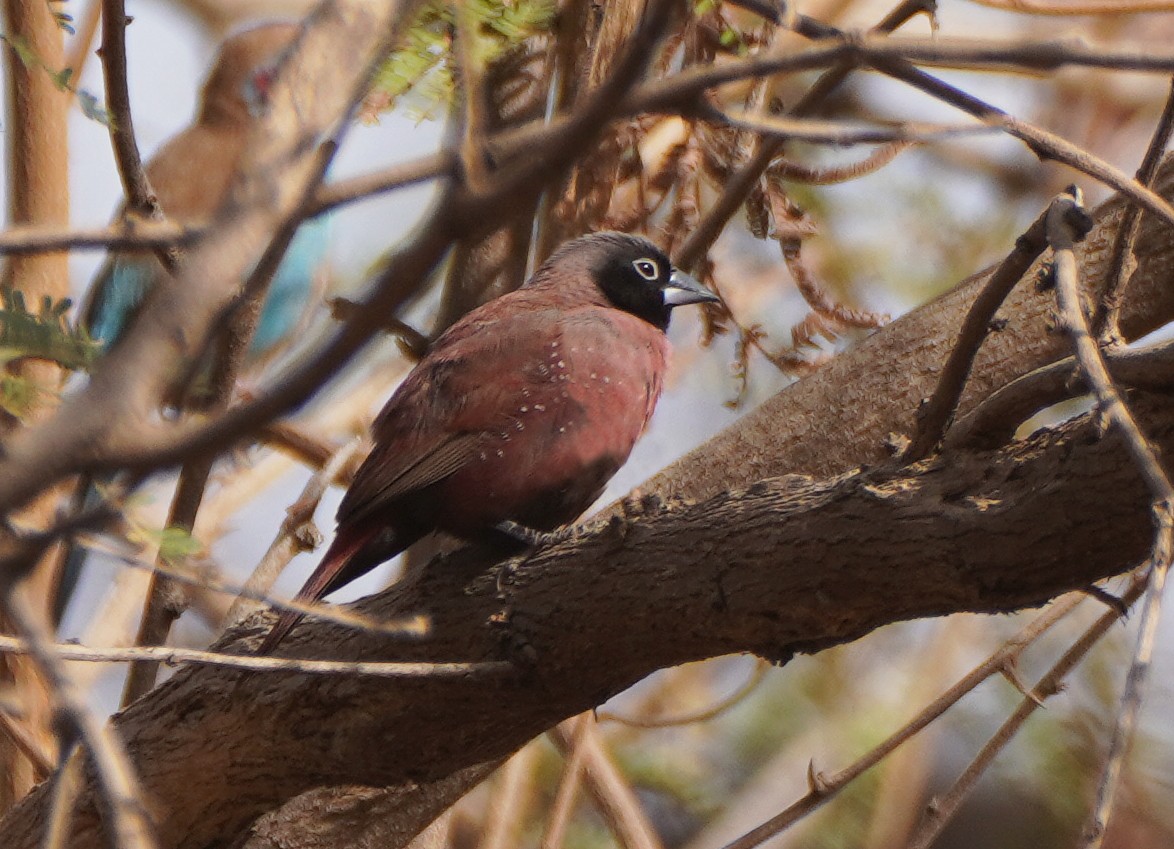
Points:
[816,780]
[1011,673]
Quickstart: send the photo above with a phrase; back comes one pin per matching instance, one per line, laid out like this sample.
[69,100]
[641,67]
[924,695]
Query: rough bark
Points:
[789,565]
[842,416]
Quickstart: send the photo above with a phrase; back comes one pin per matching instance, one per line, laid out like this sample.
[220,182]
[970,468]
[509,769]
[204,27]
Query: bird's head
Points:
[633,275]
[237,89]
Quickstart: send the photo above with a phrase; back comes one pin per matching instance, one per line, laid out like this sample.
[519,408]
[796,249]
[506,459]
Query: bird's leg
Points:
[535,538]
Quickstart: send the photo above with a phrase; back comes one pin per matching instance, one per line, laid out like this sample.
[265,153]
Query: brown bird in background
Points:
[520,412]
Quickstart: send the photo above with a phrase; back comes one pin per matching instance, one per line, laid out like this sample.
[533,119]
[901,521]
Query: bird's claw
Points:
[534,538]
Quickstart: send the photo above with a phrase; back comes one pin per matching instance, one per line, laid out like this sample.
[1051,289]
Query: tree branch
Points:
[786,566]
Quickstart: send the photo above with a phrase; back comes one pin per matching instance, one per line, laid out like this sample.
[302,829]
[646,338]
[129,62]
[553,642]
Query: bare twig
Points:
[138,233]
[1135,682]
[612,792]
[1047,686]
[295,535]
[166,599]
[995,420]
[935,417]
[434,166]
[824,788]
[512,794]
[842,132]
[1063,229]
[67,785]
[409,627]
[11,727]
[703,715]
[129,822]
[472,92]
[140,197]
[122,235]
[173,656]
[1122,260]
[563,806]
[1066,222]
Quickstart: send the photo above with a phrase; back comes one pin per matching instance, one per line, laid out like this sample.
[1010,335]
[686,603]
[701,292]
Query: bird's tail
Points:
[341,564]
[86,496]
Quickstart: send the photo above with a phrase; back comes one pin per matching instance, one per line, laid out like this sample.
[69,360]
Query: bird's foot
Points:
[535,538]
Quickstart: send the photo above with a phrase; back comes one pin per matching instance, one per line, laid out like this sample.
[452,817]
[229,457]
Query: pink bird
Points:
[519,413]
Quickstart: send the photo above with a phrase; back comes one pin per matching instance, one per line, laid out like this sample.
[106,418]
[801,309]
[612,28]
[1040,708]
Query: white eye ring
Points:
[647,268]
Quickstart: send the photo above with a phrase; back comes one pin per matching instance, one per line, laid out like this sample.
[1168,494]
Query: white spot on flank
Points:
[540,408]
[562,430]
[523,409]
[500,453]
[593,377]
[483,456]
[606,379]
[561,364]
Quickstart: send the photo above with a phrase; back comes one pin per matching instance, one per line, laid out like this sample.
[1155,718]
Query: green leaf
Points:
[17,395]
[422,73]
[45,334]
[177,544]
[92,108]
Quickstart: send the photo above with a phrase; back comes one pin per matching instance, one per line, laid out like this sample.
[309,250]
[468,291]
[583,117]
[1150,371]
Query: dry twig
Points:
[1064,227]
[129,822]
[945,807]
[824,788]
[1122,261]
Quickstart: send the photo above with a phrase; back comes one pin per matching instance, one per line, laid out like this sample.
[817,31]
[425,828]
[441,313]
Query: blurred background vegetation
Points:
[878,244]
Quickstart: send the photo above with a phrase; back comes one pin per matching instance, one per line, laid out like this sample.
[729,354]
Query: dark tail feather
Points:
[342,563]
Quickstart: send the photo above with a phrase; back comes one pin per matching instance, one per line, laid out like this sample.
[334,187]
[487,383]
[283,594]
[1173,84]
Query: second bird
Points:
[191,175]
[520,412]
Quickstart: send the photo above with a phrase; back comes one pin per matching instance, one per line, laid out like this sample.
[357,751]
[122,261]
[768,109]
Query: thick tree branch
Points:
[787,566]
[844,415]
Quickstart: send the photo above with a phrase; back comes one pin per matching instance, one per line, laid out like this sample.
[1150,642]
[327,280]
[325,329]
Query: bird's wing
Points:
[436,465]
[466,387]
[116,295]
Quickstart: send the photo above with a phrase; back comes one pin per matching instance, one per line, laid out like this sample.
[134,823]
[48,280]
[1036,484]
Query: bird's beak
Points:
[683,289]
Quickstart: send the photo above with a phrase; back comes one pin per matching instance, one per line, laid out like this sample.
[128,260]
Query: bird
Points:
[190,175]
[518,415]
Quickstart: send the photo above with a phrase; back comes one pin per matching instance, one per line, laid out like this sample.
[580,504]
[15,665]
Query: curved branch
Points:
[787,566]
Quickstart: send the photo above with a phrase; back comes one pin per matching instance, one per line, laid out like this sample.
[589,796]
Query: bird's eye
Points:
[647,268]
